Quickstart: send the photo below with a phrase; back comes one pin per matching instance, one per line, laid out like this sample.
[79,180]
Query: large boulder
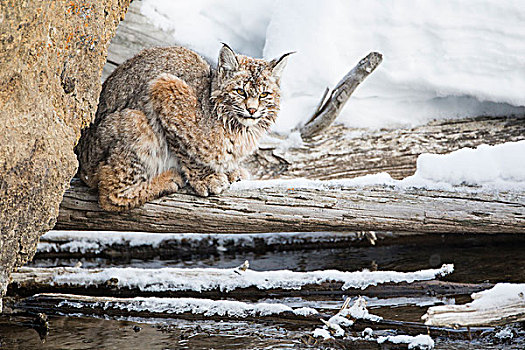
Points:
[51,59]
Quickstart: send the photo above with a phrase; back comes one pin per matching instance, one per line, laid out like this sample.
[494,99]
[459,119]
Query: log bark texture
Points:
[328,110]
[51,58]
[381,208]
[342,152]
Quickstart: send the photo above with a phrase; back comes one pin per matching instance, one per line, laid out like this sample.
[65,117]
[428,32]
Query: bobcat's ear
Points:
[227,59]
[278,64]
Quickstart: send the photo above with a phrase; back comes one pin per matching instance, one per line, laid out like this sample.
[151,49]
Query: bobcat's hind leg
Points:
[123,186]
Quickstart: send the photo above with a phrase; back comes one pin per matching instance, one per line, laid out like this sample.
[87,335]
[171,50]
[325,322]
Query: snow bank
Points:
[97,241]
[421,341]
[203,279]
[451,59]
[500,167]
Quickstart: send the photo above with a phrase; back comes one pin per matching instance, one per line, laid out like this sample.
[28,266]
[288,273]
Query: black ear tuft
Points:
[279,64]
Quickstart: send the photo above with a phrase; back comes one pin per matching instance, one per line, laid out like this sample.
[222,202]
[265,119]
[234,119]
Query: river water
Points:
[476,259]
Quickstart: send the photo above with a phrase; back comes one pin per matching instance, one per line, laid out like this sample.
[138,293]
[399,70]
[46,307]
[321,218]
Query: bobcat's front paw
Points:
[212,184]
[238,175]
[173,181]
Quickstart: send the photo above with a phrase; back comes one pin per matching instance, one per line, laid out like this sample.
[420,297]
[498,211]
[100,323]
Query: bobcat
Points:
[166,118]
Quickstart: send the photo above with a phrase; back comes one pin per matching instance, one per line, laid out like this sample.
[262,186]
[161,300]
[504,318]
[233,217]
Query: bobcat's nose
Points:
[251,110]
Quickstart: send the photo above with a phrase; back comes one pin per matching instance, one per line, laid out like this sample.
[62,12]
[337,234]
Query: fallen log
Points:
[503,304]
[342,152]
[233,283]
[145,245]
[369,208]
[220,310]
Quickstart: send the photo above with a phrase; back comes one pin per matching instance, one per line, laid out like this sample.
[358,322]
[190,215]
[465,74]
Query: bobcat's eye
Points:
[240,92]
[264,94]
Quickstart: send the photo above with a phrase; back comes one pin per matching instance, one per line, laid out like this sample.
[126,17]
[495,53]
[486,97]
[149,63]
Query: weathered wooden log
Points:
[342,152]
[142,245]
[381,208]
[29,281]
[503,304]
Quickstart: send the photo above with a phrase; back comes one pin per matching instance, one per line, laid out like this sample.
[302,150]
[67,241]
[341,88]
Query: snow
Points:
[97,241]
[358,310]
[341,321]
[321,332]
[202,279]
[441,59]
[504,334]
[305,311]
[421,341]
[499,167]
[498,296]
[367,333]
[205,307]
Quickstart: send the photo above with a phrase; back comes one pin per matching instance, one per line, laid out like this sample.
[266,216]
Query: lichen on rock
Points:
[51,54]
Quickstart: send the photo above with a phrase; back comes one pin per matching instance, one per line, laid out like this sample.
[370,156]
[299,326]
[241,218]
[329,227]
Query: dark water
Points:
[476,259]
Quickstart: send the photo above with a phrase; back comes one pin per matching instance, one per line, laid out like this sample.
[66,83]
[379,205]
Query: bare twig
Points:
[324,116]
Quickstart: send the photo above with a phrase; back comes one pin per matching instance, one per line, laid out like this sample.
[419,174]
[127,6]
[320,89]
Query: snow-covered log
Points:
[198,308]
[504,303]
[233,283]
[146,245]
[176,282]
[152,307]
[277,209]
[28,281]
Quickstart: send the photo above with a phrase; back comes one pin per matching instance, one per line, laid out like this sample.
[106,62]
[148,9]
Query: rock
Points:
[51,54]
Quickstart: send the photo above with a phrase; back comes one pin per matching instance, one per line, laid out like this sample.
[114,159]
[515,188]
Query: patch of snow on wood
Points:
[205,307]
[421,341]
[504,303]
[500,167]
[97,241]
[203,279]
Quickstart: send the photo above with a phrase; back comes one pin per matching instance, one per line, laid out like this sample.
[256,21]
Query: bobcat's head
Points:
[247,92]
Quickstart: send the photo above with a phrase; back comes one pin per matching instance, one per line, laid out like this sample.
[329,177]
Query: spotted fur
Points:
[166,119]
